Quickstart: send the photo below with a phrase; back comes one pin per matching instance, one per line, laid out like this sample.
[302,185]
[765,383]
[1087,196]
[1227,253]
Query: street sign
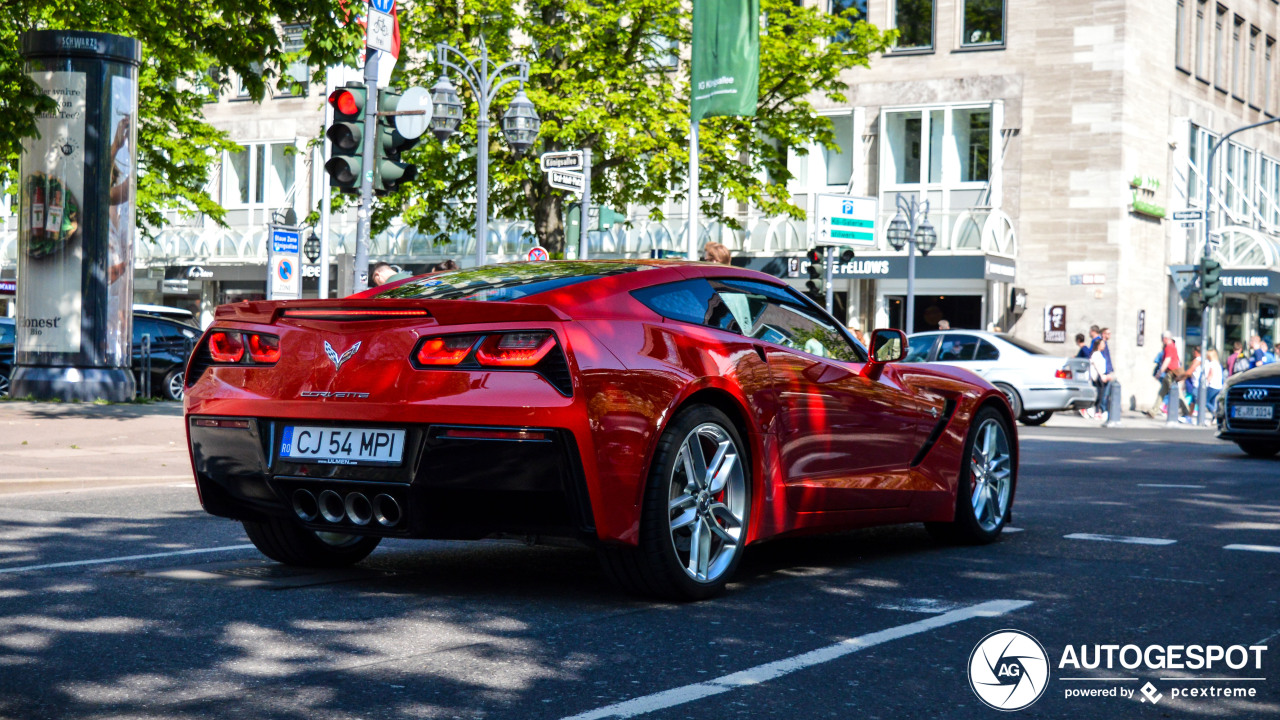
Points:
[1215,242]
[1185,279]
[378,31]
[537,253]
[1191,224]
[1188,215]
[383,6]
[846,220]
[415,99]
[284,269]
[571,160]
[564,180]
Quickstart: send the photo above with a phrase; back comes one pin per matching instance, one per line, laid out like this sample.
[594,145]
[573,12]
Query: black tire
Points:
[1035,418]
[1015,402]
[1258,448]
[285,541]
[653,568]
[4,385]
[965,529]
[173,389]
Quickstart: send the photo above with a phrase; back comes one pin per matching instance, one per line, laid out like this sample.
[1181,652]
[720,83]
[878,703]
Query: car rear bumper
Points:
[1066,396]
[452,482]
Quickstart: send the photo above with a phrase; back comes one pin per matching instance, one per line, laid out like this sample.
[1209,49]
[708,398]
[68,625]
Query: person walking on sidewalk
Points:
[1167,373]
[1213,377]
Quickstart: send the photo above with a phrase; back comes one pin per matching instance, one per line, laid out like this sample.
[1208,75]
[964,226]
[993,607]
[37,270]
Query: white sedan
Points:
[1037,384]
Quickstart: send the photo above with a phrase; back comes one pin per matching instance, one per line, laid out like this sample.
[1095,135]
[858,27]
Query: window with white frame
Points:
[839,159]
[937,146]
[914,21]
[851,10]
[1238,178]
[259,174]
[1180,40]
[1252,79]
[1202,38]
[825,168]
[1220,49]
[1268,199]
[982,23]
[1237,58]
[298,73]
[1198,155]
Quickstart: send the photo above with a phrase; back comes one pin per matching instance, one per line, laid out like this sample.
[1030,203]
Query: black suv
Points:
[171,343]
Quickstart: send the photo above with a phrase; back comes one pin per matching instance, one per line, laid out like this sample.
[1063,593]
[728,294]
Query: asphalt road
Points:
[877,623]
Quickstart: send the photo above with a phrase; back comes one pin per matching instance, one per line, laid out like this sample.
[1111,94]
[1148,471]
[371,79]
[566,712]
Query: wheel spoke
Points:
[979,499]
[723,468]
[720,516]
[695,462]
[684,519]
[695,546]
[682,502]
[704,549]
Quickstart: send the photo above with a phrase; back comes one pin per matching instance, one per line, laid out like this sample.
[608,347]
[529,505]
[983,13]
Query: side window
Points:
[987,351]
[6,334]
[957,348]
[769,313]
[144,326]
[918,347]
[687,300]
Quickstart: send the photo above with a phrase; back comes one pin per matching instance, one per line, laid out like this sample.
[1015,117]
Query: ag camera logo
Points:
[1008,670]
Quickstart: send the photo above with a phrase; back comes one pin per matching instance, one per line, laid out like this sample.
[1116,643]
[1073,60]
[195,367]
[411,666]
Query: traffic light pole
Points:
[1202,389]
[584,218]
[364,216]
[828,275]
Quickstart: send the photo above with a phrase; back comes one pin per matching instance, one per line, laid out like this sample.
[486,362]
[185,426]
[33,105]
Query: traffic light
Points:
[610,217]
[1210,279]
[389,172]
[814,287]
[346,134]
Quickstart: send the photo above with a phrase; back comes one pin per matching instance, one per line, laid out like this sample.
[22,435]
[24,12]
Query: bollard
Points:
[146,366]
[1115,404]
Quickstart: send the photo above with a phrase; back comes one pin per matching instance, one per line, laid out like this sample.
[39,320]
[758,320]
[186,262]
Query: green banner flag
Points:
[726,58]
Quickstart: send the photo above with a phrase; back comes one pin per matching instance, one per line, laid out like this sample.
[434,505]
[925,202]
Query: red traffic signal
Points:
[345,102]
[816,255]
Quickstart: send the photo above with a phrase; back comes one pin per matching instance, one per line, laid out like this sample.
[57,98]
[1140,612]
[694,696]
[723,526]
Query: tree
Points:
[609,76]
[189,51]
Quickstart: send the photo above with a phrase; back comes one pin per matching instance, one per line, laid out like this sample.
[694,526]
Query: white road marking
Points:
[1217,679]
[1177,580]
[1171,485]
[1120,539]
[1012,529]
[123,558]
[929,606]
[92,478]
[778,668]
[1254,548]
[105,488]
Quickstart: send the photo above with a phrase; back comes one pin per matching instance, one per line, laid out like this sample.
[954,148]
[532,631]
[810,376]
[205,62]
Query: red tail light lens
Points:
[515,349]
[226,347]
[264,348]
[1064,374]
[446,350]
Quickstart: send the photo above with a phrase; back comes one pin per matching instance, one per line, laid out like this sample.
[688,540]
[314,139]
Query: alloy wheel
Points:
[992,471]
[4,386]
[707,500]
[175,386]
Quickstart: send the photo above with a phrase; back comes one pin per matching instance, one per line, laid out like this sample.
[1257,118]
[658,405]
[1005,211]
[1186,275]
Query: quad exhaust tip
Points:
[356,507]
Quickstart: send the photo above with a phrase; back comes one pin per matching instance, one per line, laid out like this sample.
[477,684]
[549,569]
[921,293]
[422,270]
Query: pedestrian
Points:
[1107,378]
[1190,379]
[381,274]
[1236,356]
[1082,348]
[944,324]
[1095,336]
[1213,384]
[446,266]
[715,252]
[1167,371]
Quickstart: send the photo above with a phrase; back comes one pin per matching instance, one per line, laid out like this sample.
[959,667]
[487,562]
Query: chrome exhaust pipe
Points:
[331,506]
[386,510]
[304,505]
[359,511]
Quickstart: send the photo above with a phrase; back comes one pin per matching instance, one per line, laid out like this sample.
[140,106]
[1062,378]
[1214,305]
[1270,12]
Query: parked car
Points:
[1248,411]
[668,414]
[171,345]
[1036,383]
[164,311]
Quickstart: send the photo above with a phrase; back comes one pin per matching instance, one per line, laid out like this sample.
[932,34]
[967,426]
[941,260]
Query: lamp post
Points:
[520,123]
[911,228]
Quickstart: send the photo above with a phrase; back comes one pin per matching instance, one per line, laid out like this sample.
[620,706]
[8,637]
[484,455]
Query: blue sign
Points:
[383,6]
[284,241]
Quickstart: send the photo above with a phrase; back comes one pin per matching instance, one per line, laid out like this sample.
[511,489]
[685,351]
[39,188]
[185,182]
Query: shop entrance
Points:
[1267,312]
[962,311]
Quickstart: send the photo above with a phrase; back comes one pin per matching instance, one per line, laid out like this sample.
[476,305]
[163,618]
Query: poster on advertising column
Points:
[121,220]
[50,240]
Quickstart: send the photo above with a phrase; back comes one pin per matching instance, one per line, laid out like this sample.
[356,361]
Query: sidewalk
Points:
[63,446]
[1128,419]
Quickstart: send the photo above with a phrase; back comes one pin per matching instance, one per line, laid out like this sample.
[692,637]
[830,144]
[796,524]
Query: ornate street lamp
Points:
[911,229]
[520,124]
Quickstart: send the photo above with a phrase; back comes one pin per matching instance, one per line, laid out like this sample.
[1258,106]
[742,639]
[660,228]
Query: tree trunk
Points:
[548,219]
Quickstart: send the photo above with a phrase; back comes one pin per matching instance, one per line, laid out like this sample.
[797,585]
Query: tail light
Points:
[1064,374]
[264,348]
[446,349]
[226,347]
[515,349]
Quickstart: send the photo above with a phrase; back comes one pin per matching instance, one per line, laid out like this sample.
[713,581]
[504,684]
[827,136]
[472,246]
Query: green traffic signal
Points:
[388,171]
[1210,279]
[347,137]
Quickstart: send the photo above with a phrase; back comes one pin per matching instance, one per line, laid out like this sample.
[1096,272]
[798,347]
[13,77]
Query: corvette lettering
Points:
[334,395]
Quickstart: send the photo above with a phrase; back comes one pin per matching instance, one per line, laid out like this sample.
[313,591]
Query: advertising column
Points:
[76,219]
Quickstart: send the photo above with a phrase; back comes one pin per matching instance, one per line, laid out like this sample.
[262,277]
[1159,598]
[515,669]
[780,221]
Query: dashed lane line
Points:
[773,670]
[1253,548]
[1171,485]
[124,558]
[1120,539]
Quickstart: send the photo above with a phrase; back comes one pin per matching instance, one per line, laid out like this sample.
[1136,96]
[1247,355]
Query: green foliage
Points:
[607,76]
[189,51]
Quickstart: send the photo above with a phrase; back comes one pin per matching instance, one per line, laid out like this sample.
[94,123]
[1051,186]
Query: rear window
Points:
[1022,345]
[502,283]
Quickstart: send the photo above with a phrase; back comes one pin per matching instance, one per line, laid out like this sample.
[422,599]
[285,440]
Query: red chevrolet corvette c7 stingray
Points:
[668,414]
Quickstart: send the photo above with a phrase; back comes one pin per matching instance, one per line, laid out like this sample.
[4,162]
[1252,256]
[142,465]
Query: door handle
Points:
[760,351]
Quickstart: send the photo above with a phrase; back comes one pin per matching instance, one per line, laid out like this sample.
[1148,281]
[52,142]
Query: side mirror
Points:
[888,346]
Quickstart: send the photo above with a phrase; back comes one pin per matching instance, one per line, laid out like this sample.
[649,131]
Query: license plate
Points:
[342,446]
[1252,412]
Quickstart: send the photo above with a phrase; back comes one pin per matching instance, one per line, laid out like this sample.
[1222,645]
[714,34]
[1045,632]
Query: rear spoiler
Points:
[445,312]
